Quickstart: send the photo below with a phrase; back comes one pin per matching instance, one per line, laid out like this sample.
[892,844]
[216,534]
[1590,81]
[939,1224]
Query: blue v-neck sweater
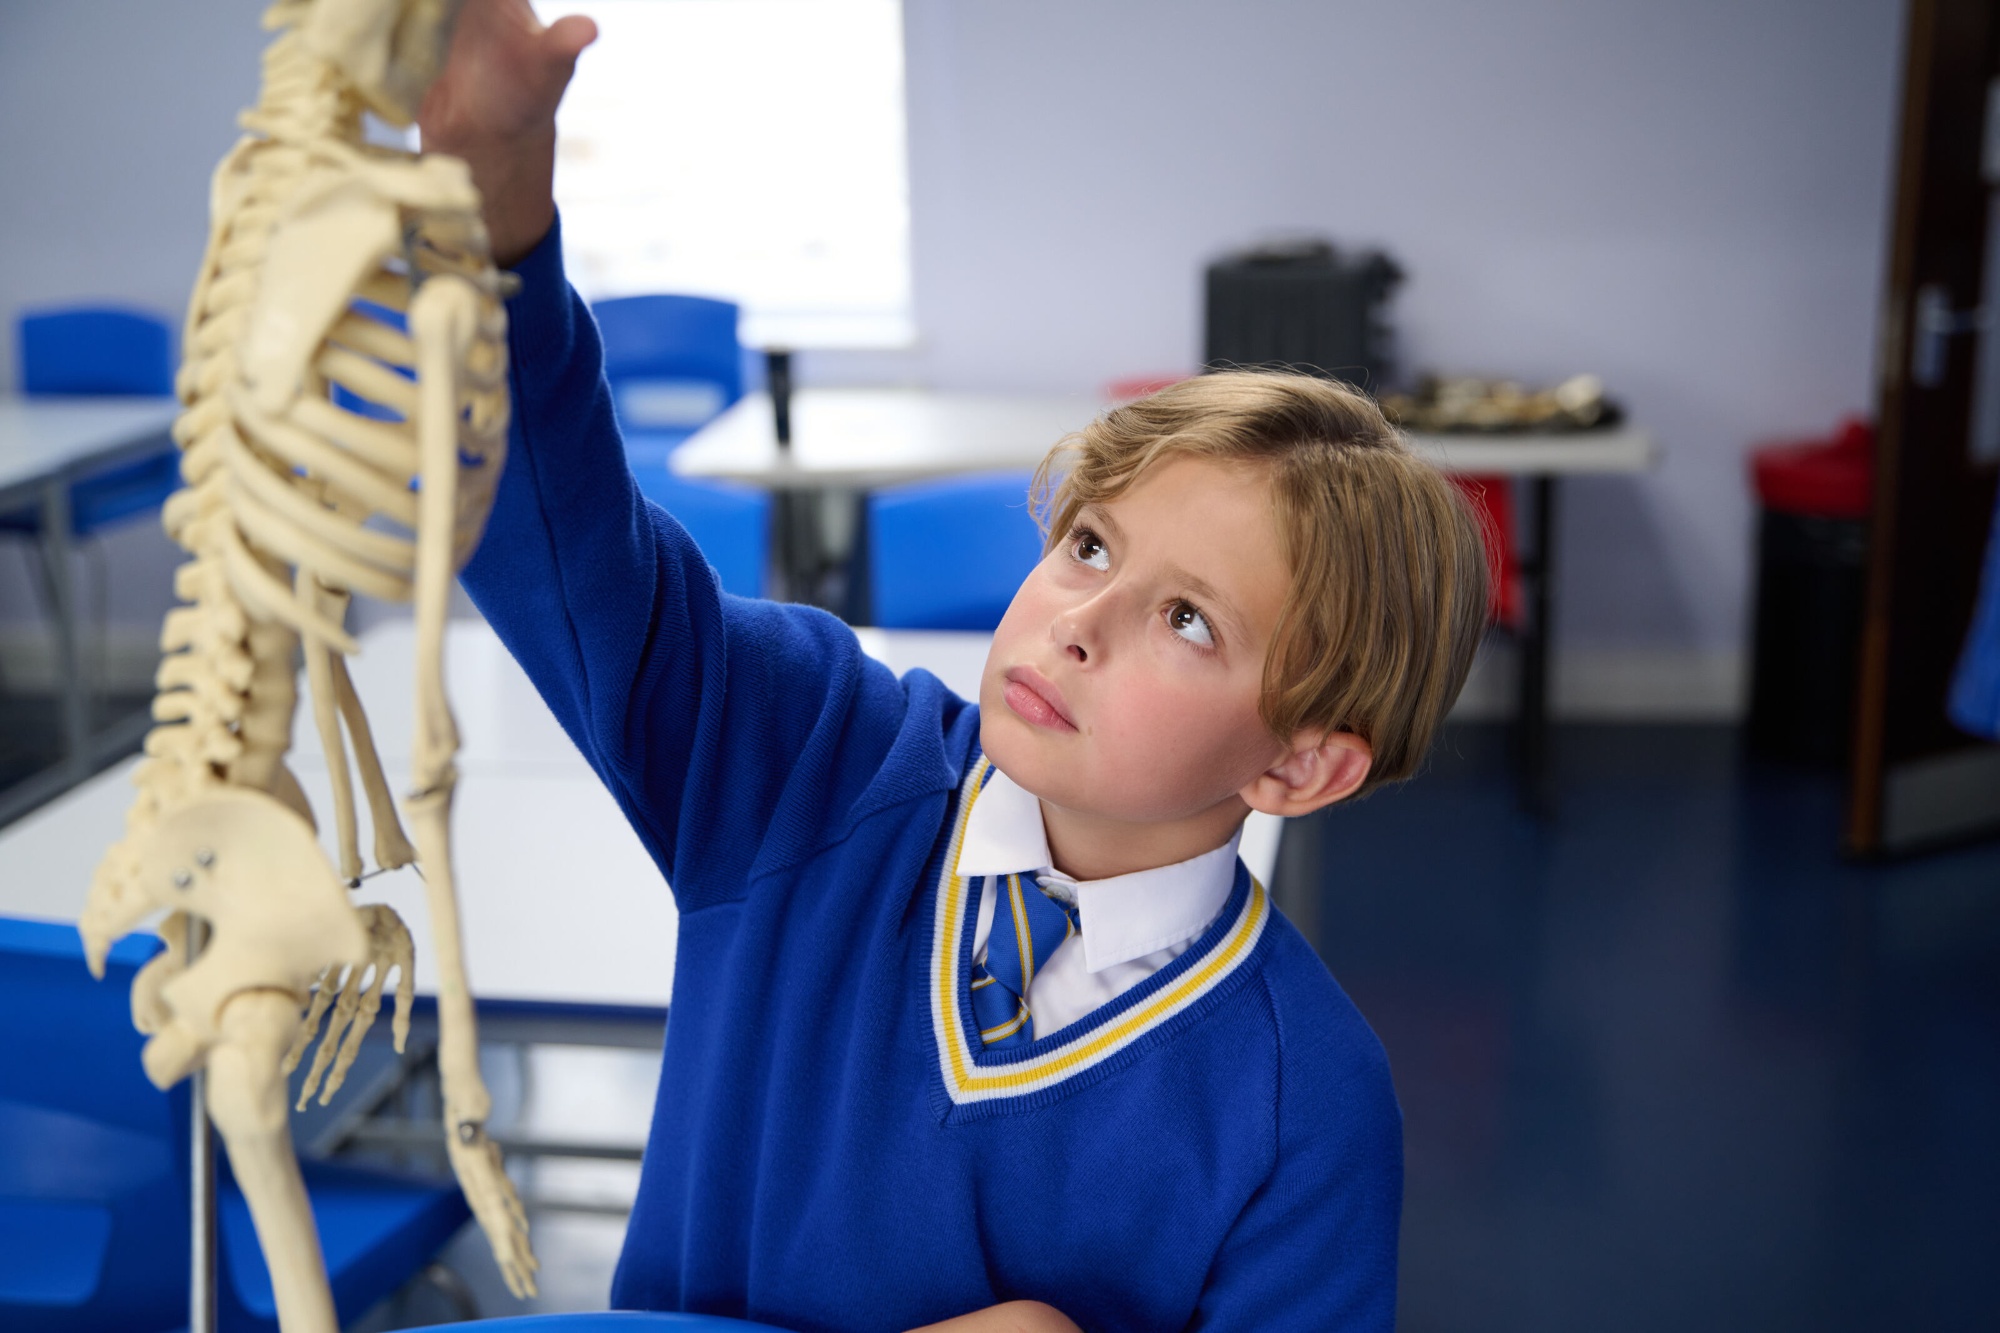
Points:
[832,1149]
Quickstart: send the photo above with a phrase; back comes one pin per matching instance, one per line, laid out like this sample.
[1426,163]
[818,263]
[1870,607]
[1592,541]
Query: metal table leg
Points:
[55,542]
[1537,576]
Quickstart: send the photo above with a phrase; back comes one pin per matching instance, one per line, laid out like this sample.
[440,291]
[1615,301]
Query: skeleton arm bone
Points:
[444,320]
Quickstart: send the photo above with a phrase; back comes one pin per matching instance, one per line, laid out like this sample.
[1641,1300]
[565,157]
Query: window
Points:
[747,149]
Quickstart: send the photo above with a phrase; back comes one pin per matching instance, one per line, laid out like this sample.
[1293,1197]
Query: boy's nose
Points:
[1075,629]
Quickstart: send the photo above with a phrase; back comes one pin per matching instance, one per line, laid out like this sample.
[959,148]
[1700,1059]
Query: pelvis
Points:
[249,867]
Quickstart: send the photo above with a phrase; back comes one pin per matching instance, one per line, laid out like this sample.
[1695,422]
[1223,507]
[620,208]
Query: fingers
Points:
[329,1046]
[309,1026]
[371,1005]
[497,1207]
[566,39]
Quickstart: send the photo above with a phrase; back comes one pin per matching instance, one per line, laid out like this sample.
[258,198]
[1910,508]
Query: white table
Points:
[860,439]
[561,904]
[856,439]
[46,446]
[867,438]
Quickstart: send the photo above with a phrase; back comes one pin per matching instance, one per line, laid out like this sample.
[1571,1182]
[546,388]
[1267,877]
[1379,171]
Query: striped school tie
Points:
[1028,926]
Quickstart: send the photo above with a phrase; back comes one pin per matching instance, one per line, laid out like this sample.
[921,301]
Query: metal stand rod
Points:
[1538,573]
[201,1191]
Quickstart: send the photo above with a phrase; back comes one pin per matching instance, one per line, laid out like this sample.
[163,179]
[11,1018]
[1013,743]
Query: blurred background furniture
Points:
[674,363]
[82,450]
[1813,498]
[1302,305]
[947,554]
[95,1203]
[850,441]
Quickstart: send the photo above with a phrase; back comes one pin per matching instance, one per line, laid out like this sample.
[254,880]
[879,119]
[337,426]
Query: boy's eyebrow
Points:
[1100,517]
[1202,588]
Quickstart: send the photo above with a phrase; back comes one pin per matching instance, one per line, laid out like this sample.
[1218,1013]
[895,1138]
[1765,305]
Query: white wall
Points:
[1689,200]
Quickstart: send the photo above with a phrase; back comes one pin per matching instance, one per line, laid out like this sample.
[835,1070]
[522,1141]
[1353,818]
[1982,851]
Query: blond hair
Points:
[1388,594]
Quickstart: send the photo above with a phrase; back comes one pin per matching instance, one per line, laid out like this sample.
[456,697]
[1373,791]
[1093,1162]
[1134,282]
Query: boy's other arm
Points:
[1315,1248]
[1013,1317]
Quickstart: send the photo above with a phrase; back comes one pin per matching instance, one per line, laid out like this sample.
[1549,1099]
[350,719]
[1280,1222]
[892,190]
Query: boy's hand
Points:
[494,105]
[1013,1317]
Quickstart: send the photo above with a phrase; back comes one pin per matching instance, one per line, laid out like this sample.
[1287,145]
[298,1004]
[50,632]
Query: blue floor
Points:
[1668,1062]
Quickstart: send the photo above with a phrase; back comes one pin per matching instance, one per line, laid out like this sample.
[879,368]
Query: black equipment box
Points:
[1303,306]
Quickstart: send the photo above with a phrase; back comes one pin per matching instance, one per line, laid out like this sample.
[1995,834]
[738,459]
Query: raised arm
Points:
[722,725]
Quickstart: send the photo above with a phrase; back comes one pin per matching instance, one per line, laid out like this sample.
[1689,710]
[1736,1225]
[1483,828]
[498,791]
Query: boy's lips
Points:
[1036,699]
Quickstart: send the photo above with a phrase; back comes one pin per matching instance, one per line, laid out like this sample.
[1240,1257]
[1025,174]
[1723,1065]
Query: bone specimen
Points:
[333,265]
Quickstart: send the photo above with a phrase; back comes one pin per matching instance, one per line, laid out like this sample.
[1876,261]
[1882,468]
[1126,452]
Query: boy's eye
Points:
[1086,548]
[1190,624]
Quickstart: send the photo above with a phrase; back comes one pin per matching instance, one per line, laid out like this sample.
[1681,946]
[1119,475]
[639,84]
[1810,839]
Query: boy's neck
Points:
[1087,847]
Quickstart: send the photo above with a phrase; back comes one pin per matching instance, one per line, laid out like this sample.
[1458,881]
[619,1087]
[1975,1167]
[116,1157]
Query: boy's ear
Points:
[1319,769]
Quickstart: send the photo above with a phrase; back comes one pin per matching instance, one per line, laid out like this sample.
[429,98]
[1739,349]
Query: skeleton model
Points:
[331,264]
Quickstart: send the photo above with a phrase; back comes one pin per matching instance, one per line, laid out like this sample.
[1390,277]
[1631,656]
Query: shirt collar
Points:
[1124,917]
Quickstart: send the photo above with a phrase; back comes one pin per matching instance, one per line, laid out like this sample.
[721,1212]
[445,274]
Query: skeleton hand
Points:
[388,947]
[475,1159]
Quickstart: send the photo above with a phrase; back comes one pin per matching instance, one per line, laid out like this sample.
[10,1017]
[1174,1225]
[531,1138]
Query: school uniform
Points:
[1200,1130]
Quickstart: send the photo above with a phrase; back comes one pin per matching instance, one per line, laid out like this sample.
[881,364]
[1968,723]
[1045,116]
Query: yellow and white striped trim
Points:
[965,1080]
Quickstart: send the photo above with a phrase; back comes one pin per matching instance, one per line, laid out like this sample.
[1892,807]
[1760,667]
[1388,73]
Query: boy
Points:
[976,1015]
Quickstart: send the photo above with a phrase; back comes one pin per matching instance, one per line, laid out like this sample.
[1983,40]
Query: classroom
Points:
[1368,633]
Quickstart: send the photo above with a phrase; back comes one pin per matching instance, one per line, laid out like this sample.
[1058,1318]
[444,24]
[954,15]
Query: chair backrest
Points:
[93,1158]
[949,554]
[673,361]
[95,350]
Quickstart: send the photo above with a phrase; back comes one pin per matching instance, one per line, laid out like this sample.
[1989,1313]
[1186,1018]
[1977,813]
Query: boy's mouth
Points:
[1031,695]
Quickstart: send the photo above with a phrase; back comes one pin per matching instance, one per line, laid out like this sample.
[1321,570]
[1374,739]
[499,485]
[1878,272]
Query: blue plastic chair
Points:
[95,351]
[674,364]
[94,1170]
[89,351]
[93,1158]
[949,554]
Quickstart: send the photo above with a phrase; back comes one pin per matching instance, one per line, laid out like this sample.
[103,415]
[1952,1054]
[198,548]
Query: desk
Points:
[863,439]
[856,439]
[46,446]
[562,907]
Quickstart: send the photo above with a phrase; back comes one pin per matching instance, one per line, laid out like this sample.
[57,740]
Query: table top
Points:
[39,437]
[560,902]
[864,438]
[1618,449]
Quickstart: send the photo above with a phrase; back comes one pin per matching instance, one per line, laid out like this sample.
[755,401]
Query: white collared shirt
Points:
[1131,925]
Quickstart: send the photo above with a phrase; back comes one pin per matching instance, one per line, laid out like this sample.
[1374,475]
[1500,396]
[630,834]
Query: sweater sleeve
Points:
[728,729]
[1315,1248]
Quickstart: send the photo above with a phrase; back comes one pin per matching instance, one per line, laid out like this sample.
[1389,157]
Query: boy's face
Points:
[1124,679]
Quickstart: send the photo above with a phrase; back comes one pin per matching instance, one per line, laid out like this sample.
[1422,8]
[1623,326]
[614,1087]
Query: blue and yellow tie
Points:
[1028,926]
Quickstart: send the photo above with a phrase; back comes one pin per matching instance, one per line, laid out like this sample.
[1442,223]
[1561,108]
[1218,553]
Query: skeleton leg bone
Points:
[246,1099]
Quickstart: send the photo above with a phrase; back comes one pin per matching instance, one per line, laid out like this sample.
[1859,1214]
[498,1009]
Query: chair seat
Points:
[51,1251]
[370,1224]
